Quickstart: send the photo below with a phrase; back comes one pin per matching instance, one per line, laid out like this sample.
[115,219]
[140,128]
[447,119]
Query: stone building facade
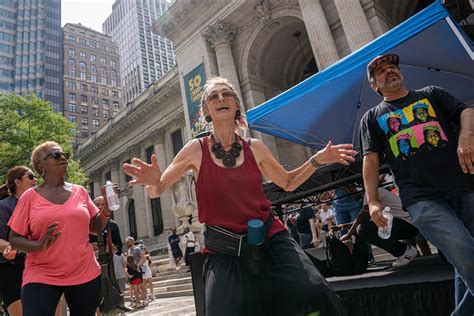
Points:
[263,47]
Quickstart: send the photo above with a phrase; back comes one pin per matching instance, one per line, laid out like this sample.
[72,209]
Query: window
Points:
[112,63]
[83,87]
[83,99]
[84,109]
[95,112]
[157,216]
[93,58]
[72,63]
[93,78]
[95,123]
[94,89]
[72,97]
[106,113]
[84,133]
[83,76]
[73,132]
[115,105]
[71,84]
[93,68]
[92,44]
[82,55]
[84,121]
[115,94]
[72,52]
[71,38]
[103,61]
[105,92]
[113,82]
[95,101]
[103,72]
[132,219]
[105,103]
[72,107]
[83,66]
[72,118]
[82,41]
[102,47]
[177,141]
[72,73]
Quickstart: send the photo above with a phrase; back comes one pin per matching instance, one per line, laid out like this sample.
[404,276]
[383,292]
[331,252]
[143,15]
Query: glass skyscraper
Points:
[31,49]
[144,56]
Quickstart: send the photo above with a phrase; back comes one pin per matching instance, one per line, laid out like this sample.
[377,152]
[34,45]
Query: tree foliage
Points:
[26,122]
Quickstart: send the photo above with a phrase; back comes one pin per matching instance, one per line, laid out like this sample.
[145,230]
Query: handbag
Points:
[111,299]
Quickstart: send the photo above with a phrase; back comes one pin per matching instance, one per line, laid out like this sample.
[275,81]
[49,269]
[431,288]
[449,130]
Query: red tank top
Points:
[230,197]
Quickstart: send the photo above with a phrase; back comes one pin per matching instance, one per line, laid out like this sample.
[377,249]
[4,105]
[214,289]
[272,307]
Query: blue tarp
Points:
[433,50]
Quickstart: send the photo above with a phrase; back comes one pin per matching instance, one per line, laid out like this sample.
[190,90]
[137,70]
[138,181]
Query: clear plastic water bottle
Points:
[384,232]
[112,198]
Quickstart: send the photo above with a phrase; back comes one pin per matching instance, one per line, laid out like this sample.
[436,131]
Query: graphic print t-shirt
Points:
[419,136]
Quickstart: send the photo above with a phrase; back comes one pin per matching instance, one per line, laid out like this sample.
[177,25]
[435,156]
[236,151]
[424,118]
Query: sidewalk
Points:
[175,306]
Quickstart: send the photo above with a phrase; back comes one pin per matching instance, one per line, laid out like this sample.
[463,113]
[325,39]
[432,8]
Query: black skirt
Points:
[288,285]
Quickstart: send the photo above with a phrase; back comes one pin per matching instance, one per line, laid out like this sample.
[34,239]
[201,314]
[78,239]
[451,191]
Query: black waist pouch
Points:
[221,240]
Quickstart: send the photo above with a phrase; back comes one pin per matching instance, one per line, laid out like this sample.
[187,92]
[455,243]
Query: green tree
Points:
[26,122]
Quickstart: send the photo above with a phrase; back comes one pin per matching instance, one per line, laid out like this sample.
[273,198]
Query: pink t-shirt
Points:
[70,260]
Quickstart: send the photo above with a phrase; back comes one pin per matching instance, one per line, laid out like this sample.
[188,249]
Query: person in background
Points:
[306,226]
[51,223]
[326,217]
[147,275]
[174,240]
[19,179]
[189,240]
[114,229]
[134,273]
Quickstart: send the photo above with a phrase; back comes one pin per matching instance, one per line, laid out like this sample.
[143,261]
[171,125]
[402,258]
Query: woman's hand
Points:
[144,173]
[343,154]
[50,237]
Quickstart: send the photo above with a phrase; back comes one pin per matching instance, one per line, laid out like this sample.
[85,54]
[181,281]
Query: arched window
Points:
[132,220]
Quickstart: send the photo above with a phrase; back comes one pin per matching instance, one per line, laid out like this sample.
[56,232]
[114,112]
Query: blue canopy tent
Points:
[433,50]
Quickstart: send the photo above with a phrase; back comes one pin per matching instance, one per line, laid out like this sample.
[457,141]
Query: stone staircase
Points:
[167,281]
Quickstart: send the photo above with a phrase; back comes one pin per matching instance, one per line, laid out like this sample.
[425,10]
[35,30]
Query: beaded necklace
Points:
[228,157]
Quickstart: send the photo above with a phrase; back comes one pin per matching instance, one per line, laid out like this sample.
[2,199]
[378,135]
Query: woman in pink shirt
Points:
[52,223]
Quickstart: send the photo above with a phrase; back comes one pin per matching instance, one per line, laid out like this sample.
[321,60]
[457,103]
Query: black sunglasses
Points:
[57,155]
[30,176]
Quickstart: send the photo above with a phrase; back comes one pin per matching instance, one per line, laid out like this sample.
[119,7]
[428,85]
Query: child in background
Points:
[147,275]
[136,280]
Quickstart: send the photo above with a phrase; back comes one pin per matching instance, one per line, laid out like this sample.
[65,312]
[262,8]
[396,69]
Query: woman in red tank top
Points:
[229,169]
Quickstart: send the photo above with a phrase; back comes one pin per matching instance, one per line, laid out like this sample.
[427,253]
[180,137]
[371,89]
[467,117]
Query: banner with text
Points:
[194,86]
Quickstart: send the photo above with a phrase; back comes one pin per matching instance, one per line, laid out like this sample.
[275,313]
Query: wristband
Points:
[315,163]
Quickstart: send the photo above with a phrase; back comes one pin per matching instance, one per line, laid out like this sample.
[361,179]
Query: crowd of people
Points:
[426,136]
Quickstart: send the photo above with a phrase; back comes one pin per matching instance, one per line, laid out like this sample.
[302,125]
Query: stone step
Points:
[173,288]
[175,294]
[186,280]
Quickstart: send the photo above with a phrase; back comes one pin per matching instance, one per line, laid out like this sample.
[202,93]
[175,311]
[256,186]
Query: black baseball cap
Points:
[386,58]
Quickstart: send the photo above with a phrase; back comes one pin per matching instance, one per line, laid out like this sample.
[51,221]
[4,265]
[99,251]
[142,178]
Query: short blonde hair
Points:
[40,152]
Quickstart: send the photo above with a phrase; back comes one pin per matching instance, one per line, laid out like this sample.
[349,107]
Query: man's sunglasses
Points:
[30,176]
[57,155]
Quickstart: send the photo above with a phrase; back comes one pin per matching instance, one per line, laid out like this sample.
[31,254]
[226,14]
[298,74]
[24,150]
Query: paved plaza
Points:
[175,306]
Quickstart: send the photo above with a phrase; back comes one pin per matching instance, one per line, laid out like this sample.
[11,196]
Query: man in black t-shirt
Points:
[435,186]
[306,226]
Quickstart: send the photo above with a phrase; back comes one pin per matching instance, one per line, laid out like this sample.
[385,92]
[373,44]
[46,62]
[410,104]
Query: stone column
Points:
[221,35]
[319,33]
[96,177]
[354,22]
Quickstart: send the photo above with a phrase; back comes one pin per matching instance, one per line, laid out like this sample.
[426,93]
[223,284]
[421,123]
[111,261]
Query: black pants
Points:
[400,230]
[189,250]
[40,299]
[289,284]
[10,282]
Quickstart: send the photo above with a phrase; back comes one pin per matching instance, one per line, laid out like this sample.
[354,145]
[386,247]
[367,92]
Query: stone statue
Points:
[183,206]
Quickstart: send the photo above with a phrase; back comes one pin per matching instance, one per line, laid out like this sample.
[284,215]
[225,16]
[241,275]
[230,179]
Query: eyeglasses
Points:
[30,176]
[57,155]
[225,94]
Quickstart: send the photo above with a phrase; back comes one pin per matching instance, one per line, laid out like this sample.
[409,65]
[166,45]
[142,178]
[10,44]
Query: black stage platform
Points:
[423,288]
